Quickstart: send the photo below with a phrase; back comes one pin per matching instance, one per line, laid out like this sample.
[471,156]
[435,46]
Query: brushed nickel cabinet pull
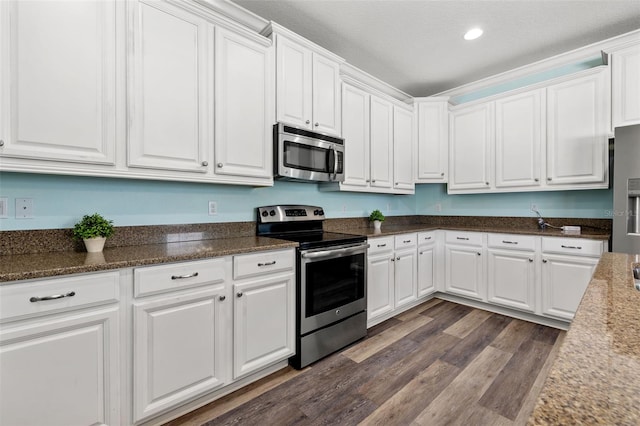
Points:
[509,242]
[267,263]
[571,247]
[382,245]
[222,298]
[462,238]
[239,294]
[181,277]
[53,297]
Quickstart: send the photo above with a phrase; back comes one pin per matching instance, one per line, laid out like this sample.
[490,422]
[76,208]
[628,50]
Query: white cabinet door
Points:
[355,131]
[511,279]
[427,258]
[406,277]
[243,117]
[58,80]
[625,86]
[170,83]
[471,138]
[519,137]
[326,95]
[178,349]
[380,291]
[402,149]
[564,281]
[264,322]
[294,91]
[432,145]
[464,271]
[61,371]
[381,143]
[577,129]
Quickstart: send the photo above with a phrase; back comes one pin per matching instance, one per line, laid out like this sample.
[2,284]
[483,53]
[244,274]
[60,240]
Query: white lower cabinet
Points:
[263,312]
[427,263]
[380,288]
[60,357]
[464,264]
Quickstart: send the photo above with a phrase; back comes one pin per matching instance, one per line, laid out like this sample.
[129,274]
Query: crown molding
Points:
[349,71]
[275,29]
[236,13]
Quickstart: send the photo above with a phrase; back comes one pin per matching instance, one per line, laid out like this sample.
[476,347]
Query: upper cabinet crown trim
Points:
[274,28]
[355,75]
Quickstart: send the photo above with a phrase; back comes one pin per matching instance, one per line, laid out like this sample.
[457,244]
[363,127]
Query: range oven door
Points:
[333,285]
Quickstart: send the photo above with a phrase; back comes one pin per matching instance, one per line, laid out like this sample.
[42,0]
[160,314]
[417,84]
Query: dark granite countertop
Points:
[595,378]
[40,265]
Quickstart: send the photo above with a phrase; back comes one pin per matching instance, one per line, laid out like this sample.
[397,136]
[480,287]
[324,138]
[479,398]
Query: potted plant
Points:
[377,218]
[93,230]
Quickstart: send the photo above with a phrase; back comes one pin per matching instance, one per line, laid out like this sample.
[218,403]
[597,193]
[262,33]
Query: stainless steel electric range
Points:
[331,280]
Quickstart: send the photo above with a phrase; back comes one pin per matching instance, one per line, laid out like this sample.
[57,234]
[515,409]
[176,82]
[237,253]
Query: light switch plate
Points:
[24,208]
[213,208]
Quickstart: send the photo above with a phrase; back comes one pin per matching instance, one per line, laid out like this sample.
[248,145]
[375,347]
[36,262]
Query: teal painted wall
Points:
[59,201]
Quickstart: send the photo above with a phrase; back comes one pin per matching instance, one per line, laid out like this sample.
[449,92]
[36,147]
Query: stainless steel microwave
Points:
[300,154]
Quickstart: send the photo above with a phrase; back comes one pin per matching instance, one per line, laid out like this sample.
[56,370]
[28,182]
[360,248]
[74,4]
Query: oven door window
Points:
[305,157]
[333,283]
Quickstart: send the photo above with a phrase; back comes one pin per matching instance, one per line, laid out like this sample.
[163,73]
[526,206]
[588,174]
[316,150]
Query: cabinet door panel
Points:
[263,323]
[169,89]
[564,281]
[380,289]
[294,83]
[426,270]
[511,279]
[519,132]
[470,147]
[464,271]
[171,365]
[58,80]
[625,68]
[433,141]
[355,130]
[381,143]
[577,130]
[243,141]
[326,95]
[61,372]
[405,277]
[402,149]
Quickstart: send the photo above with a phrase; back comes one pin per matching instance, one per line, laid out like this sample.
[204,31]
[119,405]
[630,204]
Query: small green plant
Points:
[93,226]
[376,215]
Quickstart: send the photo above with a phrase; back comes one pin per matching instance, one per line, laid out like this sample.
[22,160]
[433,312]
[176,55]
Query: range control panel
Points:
[289,213]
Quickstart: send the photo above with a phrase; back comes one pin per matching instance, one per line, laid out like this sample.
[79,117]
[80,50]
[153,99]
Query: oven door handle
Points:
[335,253]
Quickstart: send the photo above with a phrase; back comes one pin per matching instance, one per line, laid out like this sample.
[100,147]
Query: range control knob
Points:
[265,213]
[272,212]
[316,212]
[321,212]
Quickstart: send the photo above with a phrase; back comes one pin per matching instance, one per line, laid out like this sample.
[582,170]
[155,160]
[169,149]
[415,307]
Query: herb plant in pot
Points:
[93,230]
[377,218]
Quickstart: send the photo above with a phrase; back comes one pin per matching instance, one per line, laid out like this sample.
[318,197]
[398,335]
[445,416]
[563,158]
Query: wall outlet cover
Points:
[213,208]
[24,208]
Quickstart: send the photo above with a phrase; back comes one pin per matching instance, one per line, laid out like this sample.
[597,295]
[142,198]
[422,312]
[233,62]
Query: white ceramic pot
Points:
[94,245]
[376,225]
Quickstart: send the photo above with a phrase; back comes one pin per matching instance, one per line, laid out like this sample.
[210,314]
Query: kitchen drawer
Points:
[71,292]
[572,246]
[426,237]
[380,245]
[405,241]
[512,242]
[177,276]
[462,237]
[264,262]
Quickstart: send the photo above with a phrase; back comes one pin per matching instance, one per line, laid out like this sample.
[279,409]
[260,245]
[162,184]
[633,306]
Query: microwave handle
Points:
[335,163]
[331,160]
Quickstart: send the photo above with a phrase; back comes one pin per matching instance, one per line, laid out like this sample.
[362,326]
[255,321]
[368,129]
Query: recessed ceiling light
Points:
[473,34]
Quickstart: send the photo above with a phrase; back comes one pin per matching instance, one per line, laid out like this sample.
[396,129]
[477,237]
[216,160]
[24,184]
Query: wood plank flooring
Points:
[438,364]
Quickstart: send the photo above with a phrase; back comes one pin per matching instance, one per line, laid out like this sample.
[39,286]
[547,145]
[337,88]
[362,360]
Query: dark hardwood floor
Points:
[438,364]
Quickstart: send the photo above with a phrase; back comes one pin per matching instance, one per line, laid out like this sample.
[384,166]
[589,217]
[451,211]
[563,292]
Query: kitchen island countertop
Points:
[595,378]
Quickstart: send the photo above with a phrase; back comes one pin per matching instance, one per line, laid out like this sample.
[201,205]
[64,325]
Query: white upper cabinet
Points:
[307,85]
[381,143]
[519,137]
[169,87]
[402,148]
[243,113]
[355,131]
[577,129]
[58,81]
[432,141]
[625,86]
[470,144]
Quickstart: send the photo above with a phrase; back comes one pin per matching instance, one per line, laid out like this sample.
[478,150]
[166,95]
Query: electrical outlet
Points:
[24,208]
[388,207]
[213,208]
[4,208]
[438,207]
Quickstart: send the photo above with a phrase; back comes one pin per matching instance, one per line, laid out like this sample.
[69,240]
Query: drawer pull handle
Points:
[54,297]
[267,264]
[382,245]
[406,241]
[427,238]
[181,277]
[462,238]
[509,242]
[571,247]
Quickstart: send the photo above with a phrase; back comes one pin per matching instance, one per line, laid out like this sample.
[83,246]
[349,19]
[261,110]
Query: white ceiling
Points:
[417,45]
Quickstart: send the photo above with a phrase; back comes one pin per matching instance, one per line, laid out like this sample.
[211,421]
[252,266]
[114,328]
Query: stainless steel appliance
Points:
[331,280]
[626,190]
[307,156]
